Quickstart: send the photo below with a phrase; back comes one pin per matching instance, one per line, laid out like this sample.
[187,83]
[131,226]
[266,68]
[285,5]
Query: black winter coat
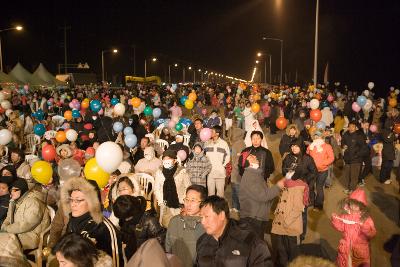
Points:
[235,248]
[355,143]
[264,157]
[149,227]
[303,166]
[388,151]
[286,141]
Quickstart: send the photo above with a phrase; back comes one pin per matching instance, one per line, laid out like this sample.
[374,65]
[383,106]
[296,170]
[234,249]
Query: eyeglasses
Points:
[191,201]
[75,201]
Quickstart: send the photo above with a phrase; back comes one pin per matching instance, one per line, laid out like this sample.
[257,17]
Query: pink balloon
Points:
[355,107]
[204,111]
[101,112]
[130,102]
[76,105]
[71,104]
[171,124]
[182,155]
[205,134]
[373,128]
[330,98]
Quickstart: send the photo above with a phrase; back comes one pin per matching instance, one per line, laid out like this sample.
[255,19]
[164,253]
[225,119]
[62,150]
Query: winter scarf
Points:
[317,144]
[169,188]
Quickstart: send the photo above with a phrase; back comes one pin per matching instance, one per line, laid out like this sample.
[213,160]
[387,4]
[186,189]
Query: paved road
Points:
[383,205]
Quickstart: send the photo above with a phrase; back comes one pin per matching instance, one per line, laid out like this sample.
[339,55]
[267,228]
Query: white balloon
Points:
[8,112]
[371,85]
[397,91]
[5,104]
[72,135]
[119,109]
[391,88]
[314,103]
[2,96]
[109,156]
[5,137]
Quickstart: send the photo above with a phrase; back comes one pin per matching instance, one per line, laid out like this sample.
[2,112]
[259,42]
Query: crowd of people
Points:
[136,176]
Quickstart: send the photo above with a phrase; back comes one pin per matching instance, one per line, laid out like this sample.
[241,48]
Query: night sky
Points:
[360,39]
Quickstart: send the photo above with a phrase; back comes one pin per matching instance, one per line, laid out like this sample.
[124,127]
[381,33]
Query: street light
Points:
[259,54]
[280,40]
[17,28]
[257,61]
[169,72]
[316,43]
[102,60]
[154,59]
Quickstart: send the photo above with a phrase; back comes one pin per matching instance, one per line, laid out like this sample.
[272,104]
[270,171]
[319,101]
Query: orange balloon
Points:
[281,123]
[61,137]
[396,128]
[68,115]
[312,130]
[318,96]
[393,102]
[316,115]
[85,104]
[136,102]
[255,107]
[257,97]
[193,96]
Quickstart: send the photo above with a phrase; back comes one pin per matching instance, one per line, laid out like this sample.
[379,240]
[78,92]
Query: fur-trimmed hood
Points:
[81,184]
[295,127]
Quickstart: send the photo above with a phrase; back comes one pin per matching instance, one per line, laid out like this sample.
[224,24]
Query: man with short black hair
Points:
[225,243]
[218,152]
[194,130]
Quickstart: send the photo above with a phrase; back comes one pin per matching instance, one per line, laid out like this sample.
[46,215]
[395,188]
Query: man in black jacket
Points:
[352,143]
[225,243]
[388,153]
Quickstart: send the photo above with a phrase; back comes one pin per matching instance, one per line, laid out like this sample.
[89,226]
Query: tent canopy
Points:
[43,74]
[21,74]
[5,78]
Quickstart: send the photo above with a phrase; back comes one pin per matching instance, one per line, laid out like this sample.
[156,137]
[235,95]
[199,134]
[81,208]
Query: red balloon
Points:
[48,153]
[88,126]
[281,123]
[316,115]
[396,128]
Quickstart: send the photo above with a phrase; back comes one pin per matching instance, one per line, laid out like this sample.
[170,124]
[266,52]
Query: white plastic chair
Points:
[186,139]
[144,180]
[31,142]
[162,143]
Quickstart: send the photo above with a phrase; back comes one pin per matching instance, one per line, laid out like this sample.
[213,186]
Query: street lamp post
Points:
[316,44]
[259,54]
[145,67]
[280,40]
[17,28]
[102,61]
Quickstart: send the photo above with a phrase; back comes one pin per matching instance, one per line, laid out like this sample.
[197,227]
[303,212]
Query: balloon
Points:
[95,105]
[178,126]
[355,107]
[61,136]
[205,134]
[42,172]
[183,100]
[361,100]
[114,101]
[39,129]
[281,123]
[136,102]
[119,109]
[148,111]
[321,125]
[393,102]
[76,113]
[5,137]
[94,172]
[128,130]
[90,151]
[6,104]
[108,156]
[85,104]
[204,111]
[76,105]
[396,128]
[189,104]
[373,128]
[156,112]
[101,112]
[314,103]
[130,140]
[68,115]
[48,152]
[68,168]
[71,135]
[171,124]
[118,126]
[39,114]
[371,85]
[182,154]
[316,115]
[255,107]
[368,105]
[88,126]
[193,96]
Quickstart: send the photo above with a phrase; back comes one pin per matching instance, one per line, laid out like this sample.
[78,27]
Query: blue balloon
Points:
[95,105]
[183,99]
[114,101]
[156,112]
[39,115]
[39,129]
[118,126]
[128,130]
[321,125]
[76,113]
[49,103]
[130,140]
[361,100]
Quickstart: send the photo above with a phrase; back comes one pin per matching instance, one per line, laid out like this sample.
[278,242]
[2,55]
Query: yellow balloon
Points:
[189,104]
[93,171]
[42,172]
